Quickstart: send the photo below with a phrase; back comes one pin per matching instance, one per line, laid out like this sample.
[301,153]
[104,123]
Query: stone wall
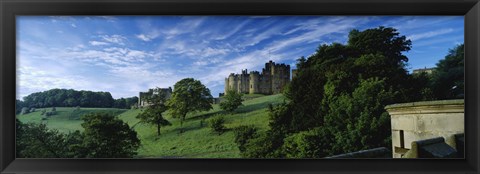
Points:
[424,120]
[271,80]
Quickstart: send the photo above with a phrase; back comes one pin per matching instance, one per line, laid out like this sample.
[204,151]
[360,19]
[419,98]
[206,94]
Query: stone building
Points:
[271,80]
[430,122]
[141,97]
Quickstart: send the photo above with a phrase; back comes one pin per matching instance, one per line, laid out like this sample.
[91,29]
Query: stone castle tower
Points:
[272,80]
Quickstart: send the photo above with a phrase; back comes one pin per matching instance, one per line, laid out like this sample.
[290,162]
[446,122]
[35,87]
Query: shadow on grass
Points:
[192,127]
[254,107]
[204,116]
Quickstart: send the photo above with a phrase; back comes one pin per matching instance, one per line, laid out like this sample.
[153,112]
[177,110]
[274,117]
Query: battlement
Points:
[255,72]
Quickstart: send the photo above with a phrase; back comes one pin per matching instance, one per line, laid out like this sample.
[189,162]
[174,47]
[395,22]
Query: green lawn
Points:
[66,119]
[196,142]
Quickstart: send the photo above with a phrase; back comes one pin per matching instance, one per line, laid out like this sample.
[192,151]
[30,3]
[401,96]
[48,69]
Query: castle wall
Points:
[271,80]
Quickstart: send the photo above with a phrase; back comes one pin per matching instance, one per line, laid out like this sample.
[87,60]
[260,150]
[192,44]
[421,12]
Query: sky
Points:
[125,55]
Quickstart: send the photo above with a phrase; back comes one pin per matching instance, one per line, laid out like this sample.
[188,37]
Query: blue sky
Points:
[128,54]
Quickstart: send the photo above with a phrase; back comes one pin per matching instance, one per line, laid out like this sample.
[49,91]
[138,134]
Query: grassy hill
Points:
[196,142]
[67,119]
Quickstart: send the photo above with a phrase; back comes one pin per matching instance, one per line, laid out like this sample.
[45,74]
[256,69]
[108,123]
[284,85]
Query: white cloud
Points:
[121,71]
[235,30]
[189,24]
[436,41]
[429,34]
[73,25]
[98,43]
[116,39]
[144,37]
[413,22]
[32,79]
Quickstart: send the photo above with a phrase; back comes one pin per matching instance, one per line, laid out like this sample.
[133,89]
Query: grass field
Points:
[67,119]
[196,142]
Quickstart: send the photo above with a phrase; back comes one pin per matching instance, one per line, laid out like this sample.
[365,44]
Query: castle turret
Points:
[226,85]
[244,81]
[232,82]
[254,82]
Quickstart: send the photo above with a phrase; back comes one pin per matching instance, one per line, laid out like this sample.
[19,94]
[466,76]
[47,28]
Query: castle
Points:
[141,97]
[272,80]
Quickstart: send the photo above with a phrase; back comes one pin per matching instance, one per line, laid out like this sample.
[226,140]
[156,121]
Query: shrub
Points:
[43,111]
[232,101]
[308,144]
[265,145]
[32,110]
[54,109]
[243,134]
[50,113]
[216,124]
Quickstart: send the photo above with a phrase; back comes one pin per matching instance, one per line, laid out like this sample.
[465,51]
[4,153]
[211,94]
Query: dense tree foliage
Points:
[68,98]
[189,95]
[73,98]
[125,103]
[37,141]
[448,77]
[310,144]
[153,114]
[243,134]
[19,106]
[106,136]
[264,145]
[232,100]
[336,101]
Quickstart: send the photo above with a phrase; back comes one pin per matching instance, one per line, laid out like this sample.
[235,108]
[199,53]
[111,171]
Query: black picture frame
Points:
[10,8]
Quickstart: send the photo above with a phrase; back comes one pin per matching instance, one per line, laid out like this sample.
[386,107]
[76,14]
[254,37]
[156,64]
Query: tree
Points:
[243,134]
[37,141]
[264,145]
[18,106]
[448,78]
[68,98]
[232,101]
[106,136]
[341,90]
[153,113]
[358,120]
[189,95]
[308,144]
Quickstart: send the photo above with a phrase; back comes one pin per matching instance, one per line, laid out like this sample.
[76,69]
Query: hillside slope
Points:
[198,141]
[67,119]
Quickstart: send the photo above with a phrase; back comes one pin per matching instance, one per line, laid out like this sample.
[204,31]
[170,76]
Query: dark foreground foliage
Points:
[336,101]
[104,136]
